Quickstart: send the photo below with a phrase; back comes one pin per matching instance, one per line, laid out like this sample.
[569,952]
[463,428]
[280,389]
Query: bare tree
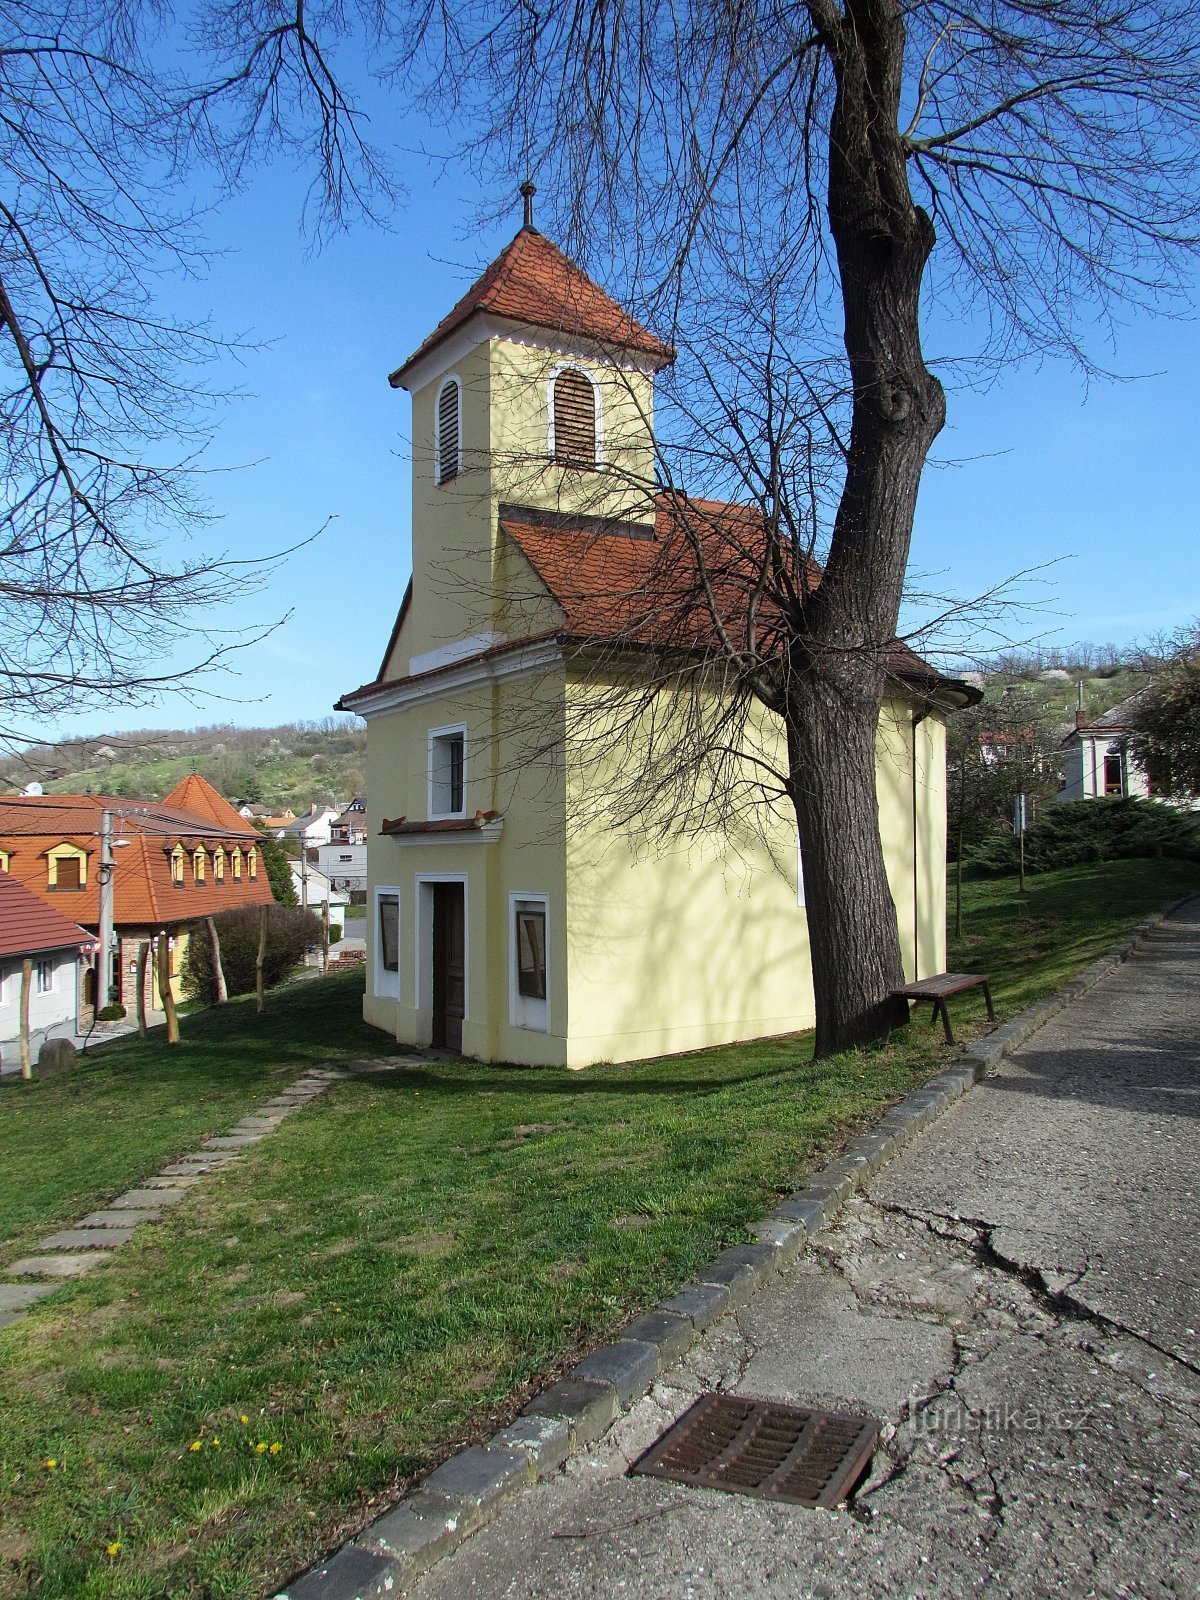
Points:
[107,111]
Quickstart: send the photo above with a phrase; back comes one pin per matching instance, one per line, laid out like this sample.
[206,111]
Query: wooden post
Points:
[142,959]
[164,988]
[218,969]
[26,985]
[262,952]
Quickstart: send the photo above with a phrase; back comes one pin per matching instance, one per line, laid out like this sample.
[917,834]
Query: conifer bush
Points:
[1093,830]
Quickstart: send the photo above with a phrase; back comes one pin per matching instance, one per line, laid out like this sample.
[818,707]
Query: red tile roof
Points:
[531,281]
[143,892]
[643,586]
[197,796]
[28,925]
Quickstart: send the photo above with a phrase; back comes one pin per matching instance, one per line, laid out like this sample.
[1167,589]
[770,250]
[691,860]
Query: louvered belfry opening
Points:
[447,432]
[574,420]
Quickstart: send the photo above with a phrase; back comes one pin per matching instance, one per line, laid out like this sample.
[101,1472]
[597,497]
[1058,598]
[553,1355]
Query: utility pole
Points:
[105,929]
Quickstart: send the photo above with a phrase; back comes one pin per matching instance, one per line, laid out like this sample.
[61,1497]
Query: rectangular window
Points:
[447,772]
[531,952]
[389,932]
[1113,783]
[45,975]
[67,874]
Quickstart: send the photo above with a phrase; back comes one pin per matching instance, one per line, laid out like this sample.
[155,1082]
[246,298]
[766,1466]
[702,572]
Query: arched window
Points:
[574,419]
[252,862]
[236,859]
[177,858]
[199,863]
[448,430]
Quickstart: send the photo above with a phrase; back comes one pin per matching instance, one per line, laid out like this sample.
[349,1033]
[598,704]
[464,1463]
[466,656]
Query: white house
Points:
[313,889]
[31,930]
[312,827]
[1097,760]
[344,859]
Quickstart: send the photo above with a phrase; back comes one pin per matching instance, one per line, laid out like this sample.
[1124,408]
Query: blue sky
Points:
[1035,470]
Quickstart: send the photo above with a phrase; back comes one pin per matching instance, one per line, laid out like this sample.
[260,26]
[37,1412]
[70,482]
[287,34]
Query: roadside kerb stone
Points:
[809,1214]
[788,1239]
[86,1238]
[700,1303]
[352,1574]
[873,1148]
[545,1440]
[414,1534]
[629,1365]
[743,1269]
[585,1405]
[72,1266]
[480,1475]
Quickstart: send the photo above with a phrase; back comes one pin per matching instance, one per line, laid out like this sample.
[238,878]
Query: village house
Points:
[343,858]
[1097,759]
[57,950]
[506,919]
[174,861]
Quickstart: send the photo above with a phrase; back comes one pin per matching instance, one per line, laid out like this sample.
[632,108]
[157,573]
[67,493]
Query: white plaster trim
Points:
[436,734]
[597,406]
[519,1004]
[517,663]
[381,976]
[480,327]
[445,655]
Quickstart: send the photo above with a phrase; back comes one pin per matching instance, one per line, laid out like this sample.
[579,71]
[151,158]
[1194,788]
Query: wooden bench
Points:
[937,989]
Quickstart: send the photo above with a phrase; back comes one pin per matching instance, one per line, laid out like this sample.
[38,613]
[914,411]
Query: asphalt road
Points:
[1016,1297]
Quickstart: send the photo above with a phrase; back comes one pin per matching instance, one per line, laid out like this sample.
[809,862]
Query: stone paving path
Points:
[89,1243]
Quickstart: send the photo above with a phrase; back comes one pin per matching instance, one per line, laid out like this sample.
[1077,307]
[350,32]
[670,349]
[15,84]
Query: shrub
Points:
[290,932]
[112,1012]
[1094,830]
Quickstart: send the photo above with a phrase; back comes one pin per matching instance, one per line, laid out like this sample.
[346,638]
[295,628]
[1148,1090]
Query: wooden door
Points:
[449,965]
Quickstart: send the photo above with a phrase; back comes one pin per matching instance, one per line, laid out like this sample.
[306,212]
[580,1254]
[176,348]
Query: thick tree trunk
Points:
[840,653]
[852,930]
[214,941]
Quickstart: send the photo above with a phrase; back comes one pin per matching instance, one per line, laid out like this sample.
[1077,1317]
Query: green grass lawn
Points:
[396,1269]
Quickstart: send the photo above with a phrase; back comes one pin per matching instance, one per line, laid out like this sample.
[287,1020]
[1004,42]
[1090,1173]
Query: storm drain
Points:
[777,1452]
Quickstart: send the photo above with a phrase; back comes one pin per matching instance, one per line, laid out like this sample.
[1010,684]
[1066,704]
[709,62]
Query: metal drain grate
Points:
[812,1458]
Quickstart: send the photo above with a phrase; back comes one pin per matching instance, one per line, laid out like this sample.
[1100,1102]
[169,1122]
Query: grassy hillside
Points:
[292,765]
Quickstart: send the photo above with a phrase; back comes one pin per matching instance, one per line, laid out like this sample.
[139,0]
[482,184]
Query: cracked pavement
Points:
[1016,1297]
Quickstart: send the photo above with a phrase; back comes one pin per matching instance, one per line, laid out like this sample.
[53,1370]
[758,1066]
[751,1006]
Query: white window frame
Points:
[386,984]
[44,975]
[438,478]
[574,366]
[523,1010]
[423,969]
[435,734]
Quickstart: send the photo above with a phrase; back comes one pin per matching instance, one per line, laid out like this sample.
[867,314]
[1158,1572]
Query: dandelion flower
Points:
[196,1444]
[276,1448]
[260,1447]
[216,1444]
[51,1464]
[243,1420]
[114,1549]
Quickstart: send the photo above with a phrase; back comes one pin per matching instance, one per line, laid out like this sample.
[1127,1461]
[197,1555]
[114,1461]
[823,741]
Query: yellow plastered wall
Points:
[528,859]
[679,944]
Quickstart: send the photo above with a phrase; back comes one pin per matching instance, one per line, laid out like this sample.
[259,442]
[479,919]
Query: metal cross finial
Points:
[528,190]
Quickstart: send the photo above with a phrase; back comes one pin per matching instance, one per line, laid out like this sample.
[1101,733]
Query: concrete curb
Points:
[389,1555]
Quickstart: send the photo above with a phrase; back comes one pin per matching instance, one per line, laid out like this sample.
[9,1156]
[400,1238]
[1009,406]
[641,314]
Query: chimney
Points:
[1081,718]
